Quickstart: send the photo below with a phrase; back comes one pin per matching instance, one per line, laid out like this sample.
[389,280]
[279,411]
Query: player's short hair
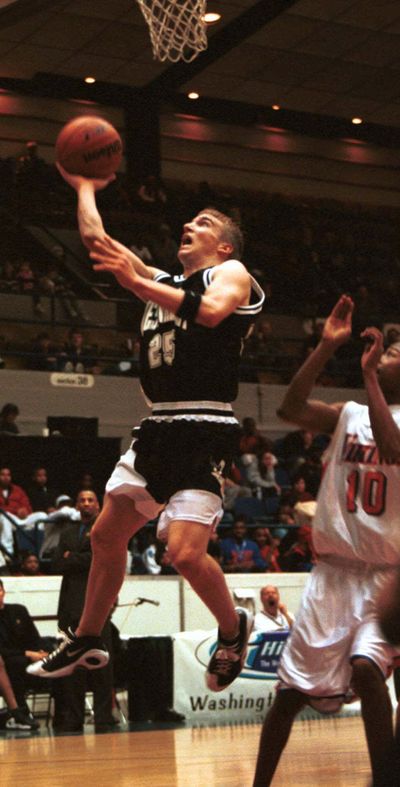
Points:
[231,232]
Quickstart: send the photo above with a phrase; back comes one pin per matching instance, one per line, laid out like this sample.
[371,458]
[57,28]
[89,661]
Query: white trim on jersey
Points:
[161,275]
[251,308]
[216,412]
[202,405]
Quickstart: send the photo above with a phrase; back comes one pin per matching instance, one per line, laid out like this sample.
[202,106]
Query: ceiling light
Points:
[275,107]
[211,17]
[89,80]
[193,95]
[356,121]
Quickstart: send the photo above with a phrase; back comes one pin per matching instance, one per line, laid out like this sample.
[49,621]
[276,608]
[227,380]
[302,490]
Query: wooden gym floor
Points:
[321,753]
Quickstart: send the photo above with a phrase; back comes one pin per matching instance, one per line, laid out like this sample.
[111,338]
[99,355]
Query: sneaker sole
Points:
[101,658]
[211,680]
[26,727]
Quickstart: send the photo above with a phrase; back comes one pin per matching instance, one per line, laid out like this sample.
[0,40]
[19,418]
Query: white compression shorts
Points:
[337,621]
[193,505]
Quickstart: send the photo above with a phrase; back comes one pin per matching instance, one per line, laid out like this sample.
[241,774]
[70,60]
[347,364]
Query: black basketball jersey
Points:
[181,361]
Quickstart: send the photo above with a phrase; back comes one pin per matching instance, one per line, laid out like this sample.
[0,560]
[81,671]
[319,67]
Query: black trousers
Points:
[150,682]
[69,701]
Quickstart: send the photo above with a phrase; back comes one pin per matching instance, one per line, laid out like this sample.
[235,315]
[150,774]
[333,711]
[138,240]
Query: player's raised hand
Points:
[115,260]
[337,328]
[373,349]
[77,181]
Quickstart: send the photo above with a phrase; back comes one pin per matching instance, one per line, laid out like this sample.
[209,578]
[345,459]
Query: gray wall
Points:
[118,401]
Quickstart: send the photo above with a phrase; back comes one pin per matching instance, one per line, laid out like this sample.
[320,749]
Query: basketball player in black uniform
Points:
[193,329]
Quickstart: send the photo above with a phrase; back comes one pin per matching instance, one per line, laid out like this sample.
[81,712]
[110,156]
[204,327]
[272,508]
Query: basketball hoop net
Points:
[177,28]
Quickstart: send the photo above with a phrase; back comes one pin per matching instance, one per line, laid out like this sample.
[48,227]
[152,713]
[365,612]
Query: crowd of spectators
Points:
[271,484]
[304,253]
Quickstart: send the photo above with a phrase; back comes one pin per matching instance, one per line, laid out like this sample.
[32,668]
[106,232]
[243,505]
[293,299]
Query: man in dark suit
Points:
[72,559]
[20,645]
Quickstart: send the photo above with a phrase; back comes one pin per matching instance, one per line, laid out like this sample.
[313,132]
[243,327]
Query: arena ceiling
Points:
[314,58]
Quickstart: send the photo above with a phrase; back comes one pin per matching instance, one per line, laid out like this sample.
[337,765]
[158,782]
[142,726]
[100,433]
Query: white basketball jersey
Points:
[358,512]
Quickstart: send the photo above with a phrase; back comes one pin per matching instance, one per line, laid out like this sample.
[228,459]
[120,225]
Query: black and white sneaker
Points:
[228,659]
[21,719]
[73,652]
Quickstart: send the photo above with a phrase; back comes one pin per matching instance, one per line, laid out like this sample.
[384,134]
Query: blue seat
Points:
[250,507]
[282,477]
[271,505]
[29,540]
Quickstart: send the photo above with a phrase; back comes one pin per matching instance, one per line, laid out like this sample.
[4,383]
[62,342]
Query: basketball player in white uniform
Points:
[336,646]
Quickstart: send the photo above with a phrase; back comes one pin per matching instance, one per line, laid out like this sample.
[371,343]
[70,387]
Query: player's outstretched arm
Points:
[89,219]
[229,289]
[110,252]
[90,223]
[384,427]
[296,406]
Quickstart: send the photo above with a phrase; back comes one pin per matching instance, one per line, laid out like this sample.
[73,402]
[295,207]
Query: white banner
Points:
[246,700]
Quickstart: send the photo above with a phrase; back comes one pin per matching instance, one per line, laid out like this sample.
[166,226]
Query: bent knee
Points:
[184,559]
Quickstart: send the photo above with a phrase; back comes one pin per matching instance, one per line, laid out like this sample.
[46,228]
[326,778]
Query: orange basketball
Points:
[89,146]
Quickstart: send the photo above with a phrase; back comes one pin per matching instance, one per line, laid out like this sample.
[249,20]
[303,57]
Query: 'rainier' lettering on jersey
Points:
[361,453]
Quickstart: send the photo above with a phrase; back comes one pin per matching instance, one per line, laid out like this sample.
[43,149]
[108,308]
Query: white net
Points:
[177,28]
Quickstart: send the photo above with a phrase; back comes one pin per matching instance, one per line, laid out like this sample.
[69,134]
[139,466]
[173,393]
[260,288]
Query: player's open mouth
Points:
[186,240]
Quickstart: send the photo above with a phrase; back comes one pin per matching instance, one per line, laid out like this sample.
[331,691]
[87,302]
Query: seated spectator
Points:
[29,566]
[86,481]
[150,554]
[151,195]
[75,355]
[8,416]
[300,555]
[20,645]
[164,560]
[128,365]
[274,615]
[286,532]
[13,498]
[311,471]
[164,249]
[268,545]
[251,439]
[239,553]
[140,247]
[41,495]
[55,522]
[214,546]
[285,514]
[298,492]
[44,354]
[55,285]
[263,348]
[260,474]
[25,277]
[234,488]
[8,277]
[12,717]
[296,448]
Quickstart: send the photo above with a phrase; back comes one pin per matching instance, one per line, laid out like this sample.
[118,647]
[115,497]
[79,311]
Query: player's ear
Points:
[225,248]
